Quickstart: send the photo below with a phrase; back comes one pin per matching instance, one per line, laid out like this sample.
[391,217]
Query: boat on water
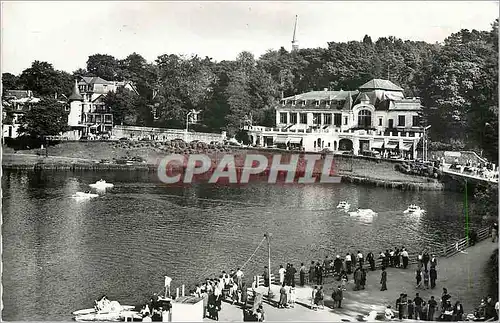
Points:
[363,213]
[101,184]
[106,310]
[414,209]
[84,195]
[343,205]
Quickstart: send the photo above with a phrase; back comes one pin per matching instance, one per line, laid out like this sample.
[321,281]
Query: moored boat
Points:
[363,213]
[106,310]
[414,209]
[84,195]
[343,205]
[101,184]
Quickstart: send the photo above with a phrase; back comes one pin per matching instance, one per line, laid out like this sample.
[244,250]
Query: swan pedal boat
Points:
[364,213]
[101,184]
[413,209]
[84,195]
[343,205]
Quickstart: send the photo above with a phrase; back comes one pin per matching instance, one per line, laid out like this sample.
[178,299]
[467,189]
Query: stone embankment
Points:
[104,156]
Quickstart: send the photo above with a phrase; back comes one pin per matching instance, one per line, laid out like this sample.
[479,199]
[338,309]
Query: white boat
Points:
[363,213]
[84,195]
[106,310]
[101,184]
[414,209]
[343,205]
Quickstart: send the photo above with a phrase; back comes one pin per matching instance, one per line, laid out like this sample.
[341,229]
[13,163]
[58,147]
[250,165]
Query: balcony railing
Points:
[355,132]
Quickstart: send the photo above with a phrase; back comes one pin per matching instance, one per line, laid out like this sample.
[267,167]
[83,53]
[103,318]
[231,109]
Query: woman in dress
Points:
[282,302]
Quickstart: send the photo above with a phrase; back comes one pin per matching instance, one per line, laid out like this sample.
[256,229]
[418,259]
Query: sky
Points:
[66,33]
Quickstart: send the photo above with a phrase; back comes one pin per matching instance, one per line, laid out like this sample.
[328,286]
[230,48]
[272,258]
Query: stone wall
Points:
[162,134]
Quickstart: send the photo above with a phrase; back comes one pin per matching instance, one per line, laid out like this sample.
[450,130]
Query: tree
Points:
[104,66]
[44,81]
[45,118]
[9,81]
[123,104]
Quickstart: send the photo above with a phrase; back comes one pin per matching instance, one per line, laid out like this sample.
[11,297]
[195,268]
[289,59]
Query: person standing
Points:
[239,277]
[411,309]
[419,279]
[363,277]
[357,278]
[337,263]
[312,272]
[348,263]
[383,279]
[360,258]
[426,258]
[338,297]
[244,295]
[432,305]
[282,302]
[494,231]
[326,265]
[302,274]
[313,298]
[265,275]
[371,260]
[434,261]
[399,306]
[426,279]
[418,306]
[292,275]
[433,276]
[458,311]
[404,256]
[319,274]
[281,272]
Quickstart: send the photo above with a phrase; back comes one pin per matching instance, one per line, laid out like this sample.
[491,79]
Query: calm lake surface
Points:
[59,254]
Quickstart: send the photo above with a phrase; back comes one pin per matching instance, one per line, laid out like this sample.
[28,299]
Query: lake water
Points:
[59,254]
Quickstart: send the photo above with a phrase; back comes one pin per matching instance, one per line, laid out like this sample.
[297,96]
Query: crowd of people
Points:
[232,287]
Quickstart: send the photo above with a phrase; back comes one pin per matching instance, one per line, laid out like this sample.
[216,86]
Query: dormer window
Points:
[283,102]
[304,103]
[317,103]
[328,102]
[294,102]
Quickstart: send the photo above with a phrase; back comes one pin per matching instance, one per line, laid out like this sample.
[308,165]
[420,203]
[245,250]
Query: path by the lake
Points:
[462,274]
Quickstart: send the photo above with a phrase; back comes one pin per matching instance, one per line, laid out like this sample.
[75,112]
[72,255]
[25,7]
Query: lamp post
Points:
[424,144]
[268,236]
[187,119]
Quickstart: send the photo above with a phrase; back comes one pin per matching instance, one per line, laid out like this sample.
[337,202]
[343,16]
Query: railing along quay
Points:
[445,250]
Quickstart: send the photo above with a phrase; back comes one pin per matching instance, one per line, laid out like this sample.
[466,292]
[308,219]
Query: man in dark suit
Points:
[383,279]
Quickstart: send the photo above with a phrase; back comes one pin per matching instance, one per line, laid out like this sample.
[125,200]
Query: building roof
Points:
[364,97]
[379,84]
[94,80]
[17,94]
[407,105]
[75,95]
[323,95]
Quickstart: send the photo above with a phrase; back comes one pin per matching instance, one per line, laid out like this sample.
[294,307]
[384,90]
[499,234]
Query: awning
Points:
[295,140]
[377,144]
[391,145]
[281,140]
[406,146]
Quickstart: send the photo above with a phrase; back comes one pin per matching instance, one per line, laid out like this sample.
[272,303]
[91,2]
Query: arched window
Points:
[364,119]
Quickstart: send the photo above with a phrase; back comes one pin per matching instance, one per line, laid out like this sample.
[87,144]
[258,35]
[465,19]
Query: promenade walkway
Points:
[463,274]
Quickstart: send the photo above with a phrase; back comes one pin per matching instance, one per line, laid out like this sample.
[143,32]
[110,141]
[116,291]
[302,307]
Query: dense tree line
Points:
[456,80]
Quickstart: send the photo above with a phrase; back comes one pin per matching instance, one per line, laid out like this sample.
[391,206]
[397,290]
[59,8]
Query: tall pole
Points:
[423,147]
[268,236]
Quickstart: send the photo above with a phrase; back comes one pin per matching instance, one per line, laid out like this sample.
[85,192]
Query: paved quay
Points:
[462,274]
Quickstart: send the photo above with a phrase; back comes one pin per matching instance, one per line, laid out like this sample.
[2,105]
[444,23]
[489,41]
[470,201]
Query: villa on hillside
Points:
[88,115]
[15,103]
[376,119]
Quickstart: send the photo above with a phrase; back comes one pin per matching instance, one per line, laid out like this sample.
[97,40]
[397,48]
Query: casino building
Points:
[374,120]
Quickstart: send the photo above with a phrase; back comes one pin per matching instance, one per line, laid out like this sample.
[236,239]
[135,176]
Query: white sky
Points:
[66,33]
